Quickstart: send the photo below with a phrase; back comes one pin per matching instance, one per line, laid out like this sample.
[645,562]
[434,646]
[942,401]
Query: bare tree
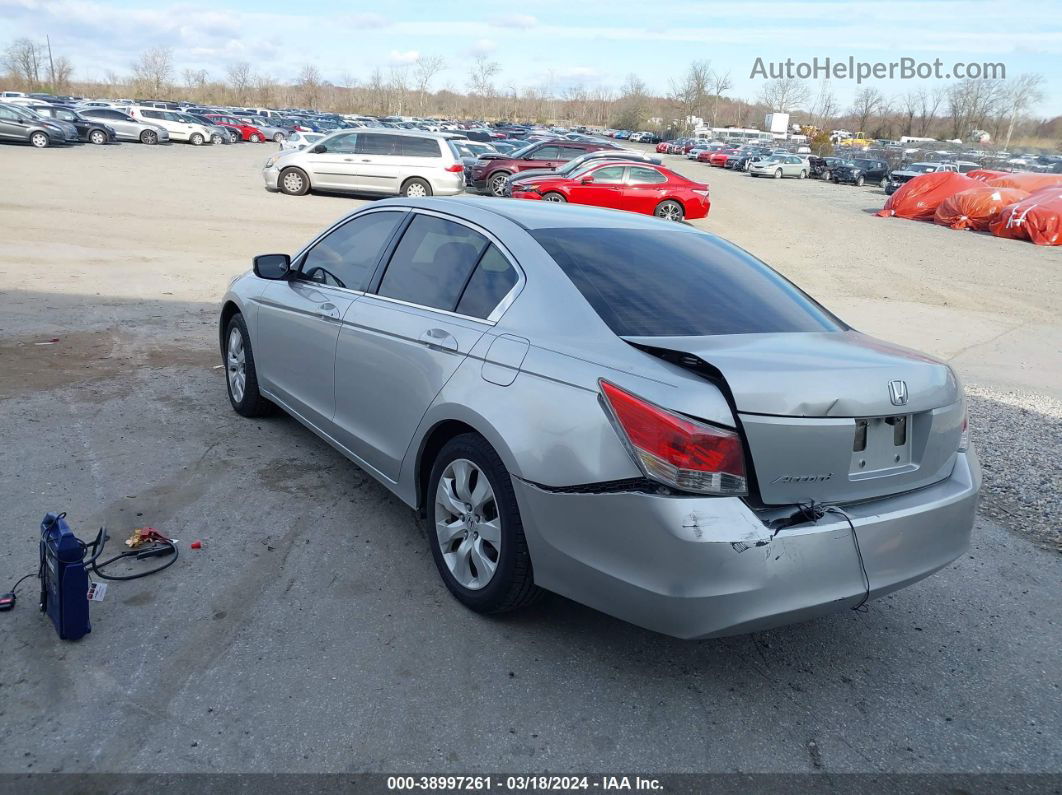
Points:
[239,80]
[718,84]
[377,92]
[22,59]
[825,106]
[309,84]
[59,71]
[481,77]
[929,102]
[1020,95]
[868,102]
[153,70]
[784,94]
[195,80]
[424,70]
[971,103]
[397,89]
[689,92]
[630,111]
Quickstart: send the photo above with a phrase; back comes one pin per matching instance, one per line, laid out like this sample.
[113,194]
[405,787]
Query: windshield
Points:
[523,150]
[679,283]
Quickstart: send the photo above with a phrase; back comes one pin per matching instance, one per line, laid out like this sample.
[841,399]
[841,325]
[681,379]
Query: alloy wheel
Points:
[467,524]
[416,191]
[497,185]
[39,140]
[98,137]
[236,365]
[293,182]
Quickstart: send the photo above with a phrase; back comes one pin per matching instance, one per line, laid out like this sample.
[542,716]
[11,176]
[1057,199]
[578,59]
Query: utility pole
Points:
[51,64]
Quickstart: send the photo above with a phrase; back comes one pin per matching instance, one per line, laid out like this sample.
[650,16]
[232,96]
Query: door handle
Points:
[365,160]
[439,339]
[328,311]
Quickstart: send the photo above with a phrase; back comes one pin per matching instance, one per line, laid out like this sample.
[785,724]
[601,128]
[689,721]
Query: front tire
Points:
[553,196]
[294,182]
[669,210]
[416,188]
[778,173]
[241,377]
[497,184]
[826,175]
[39,140]
[859,181]
[149,137]
[278,138]
[884,182]
[802,175]
[197,139]
[475,533]
[98,137]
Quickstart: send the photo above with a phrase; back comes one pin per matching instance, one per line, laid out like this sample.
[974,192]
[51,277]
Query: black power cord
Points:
[160,548]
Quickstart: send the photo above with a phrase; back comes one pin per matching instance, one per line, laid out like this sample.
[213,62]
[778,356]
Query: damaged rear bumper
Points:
[702,567]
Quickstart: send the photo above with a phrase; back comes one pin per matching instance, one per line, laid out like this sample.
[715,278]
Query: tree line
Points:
[1001,108]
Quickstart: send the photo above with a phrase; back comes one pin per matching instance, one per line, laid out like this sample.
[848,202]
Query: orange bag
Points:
[1037,218]
[919,198]
[985,174]
[1027,181]
[976,208]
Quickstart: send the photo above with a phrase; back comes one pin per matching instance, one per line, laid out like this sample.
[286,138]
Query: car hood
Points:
[908,174]
[817,374]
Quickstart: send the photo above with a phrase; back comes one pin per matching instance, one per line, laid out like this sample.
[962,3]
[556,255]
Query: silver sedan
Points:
[635,414]
[779,166]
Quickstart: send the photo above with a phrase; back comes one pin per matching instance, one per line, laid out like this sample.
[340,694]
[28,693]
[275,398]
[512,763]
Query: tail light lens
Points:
[675,450]
[964,436]
[456,168]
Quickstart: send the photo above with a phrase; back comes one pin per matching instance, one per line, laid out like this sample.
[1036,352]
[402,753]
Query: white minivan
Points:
[378,161]
[174,124]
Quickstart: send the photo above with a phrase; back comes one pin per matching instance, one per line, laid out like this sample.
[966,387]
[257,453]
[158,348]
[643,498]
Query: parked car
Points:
[491,171]
[126,127]
[92,130]
[719,157]
[740,159]
[860,170]
[822,167]
[238,129]
[300,140]
[378,161]
[269,130]
[622,185]
[180,129]
[690,443]
[19,124]
[575,165]
[779,166]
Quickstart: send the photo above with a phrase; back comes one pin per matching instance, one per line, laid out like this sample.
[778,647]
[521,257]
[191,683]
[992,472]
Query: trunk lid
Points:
[831,416]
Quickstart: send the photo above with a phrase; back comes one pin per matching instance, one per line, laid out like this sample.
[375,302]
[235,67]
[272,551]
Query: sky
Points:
[556,43]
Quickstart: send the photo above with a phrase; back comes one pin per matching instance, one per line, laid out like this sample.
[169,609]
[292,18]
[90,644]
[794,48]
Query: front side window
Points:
[678,283]
[432,262]
[343,144]
[346,256]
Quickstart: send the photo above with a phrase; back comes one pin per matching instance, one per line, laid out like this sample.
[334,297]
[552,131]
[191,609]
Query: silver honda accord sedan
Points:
[632,413]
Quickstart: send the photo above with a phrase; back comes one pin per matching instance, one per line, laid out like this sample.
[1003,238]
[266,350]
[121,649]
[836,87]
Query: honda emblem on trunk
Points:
[898,392]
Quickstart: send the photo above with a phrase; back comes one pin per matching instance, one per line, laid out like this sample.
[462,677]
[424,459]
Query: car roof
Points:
[532,215]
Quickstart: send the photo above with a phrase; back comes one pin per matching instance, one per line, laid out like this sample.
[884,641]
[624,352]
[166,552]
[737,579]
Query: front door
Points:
[299,320]
[605,189]
[337,167]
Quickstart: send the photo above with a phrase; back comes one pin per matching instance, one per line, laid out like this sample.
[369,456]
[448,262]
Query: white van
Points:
[179,130]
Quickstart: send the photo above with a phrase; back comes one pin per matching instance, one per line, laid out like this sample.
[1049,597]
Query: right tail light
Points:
[676,450]
[964,436]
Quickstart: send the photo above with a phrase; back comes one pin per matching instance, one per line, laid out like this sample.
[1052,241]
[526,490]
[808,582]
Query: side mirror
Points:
[272,266]
[320,149]
[587,180]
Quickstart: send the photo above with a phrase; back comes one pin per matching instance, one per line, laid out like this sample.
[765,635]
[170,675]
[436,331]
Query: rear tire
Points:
[416,188]
[802,175]
[553,196]
[511,584]
[149,137]
[294,182]
[669,210]
[39,140]
[241,377]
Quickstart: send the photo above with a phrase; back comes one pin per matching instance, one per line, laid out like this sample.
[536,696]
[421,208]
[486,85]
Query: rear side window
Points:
[411,146]
[378,144]
[645,176]
[432,262]
[570,152]
[346,256]
[492,280]
[647,283]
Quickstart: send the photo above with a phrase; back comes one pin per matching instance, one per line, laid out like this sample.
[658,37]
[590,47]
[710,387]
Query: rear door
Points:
[400,346]
[299,320]
[645,189]
[377,161]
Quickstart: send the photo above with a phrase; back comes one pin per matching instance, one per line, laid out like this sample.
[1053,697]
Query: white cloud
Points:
[368,21]
[398,57]
[523,21]
[482,47]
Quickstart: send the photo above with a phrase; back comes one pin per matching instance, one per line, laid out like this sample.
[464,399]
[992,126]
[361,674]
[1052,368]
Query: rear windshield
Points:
[673,283]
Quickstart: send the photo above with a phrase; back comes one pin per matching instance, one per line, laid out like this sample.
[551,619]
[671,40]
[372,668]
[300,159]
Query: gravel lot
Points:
[312,634]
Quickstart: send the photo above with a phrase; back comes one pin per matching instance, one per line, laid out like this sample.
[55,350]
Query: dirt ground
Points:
[314,602]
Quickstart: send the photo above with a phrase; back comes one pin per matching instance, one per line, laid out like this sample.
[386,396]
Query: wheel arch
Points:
[228,311]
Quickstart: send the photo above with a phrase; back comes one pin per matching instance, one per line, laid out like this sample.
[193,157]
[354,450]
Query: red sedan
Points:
[661,148]
[635,187]
[719,156]
[246,132]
